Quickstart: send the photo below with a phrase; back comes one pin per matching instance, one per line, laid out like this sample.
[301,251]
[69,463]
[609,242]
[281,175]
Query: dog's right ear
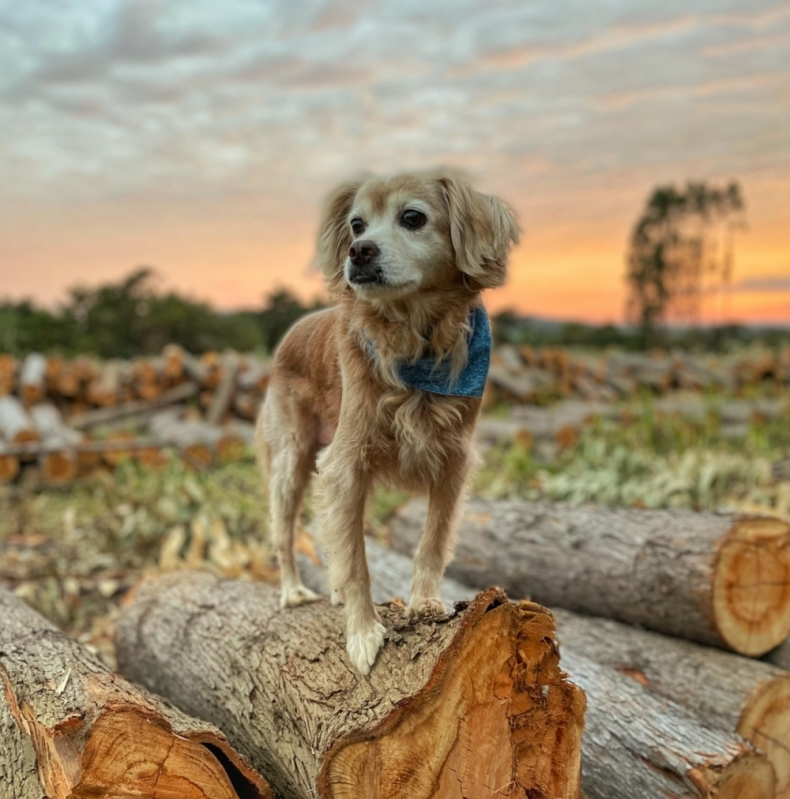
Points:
[334,237]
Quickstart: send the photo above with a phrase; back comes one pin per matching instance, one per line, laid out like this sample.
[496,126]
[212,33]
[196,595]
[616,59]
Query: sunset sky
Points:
[199,137]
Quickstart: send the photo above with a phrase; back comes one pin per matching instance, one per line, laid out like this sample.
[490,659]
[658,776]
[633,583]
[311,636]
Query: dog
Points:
[386,385]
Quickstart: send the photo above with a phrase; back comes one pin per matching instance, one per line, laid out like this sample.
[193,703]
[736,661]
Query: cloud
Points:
[764,283]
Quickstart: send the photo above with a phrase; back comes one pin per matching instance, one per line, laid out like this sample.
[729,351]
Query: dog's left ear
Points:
[334,237]
[482,229]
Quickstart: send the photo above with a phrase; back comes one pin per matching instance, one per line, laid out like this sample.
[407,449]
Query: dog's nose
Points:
[362,253]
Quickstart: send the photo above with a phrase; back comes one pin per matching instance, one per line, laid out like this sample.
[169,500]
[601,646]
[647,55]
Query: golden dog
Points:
[406,258]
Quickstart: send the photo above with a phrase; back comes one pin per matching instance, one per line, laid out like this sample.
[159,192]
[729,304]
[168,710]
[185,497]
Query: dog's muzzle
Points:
[364,269]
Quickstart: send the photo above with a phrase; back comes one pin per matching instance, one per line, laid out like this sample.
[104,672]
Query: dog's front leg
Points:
[341,490]
[445,501]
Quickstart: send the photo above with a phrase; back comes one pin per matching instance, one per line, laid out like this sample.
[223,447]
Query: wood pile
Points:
[61,419]
[71,729]
[527,375]
[119,401]
[714,589]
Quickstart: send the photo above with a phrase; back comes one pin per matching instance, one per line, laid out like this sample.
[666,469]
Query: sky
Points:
[200,137]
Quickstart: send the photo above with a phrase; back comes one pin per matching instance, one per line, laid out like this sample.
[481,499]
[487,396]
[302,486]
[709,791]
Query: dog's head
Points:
[388,238]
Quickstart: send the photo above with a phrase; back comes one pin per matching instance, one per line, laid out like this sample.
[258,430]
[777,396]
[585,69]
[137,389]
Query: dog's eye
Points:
[412,219]
[357,226]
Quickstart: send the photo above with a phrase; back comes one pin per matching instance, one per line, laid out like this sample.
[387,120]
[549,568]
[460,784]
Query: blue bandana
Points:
[428,374]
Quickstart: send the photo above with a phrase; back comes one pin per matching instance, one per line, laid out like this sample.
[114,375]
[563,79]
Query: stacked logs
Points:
[527,375]
[676,605]
[71,729]
[471,704]
[116,400]
[62,419]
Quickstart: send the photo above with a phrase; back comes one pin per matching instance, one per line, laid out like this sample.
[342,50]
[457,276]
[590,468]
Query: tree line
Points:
[681,254]
[132,317]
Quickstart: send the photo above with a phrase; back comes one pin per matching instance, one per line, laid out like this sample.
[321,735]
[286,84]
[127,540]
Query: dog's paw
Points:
[364,646]
[297,595]
[429,607]
[338,596]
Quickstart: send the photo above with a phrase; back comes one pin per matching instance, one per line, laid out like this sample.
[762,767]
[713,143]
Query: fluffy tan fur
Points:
[330,407]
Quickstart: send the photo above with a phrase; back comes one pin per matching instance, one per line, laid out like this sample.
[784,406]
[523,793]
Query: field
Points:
[73,550]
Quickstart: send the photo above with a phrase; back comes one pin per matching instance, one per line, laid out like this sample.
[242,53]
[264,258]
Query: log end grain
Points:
[498,682]
[129,750]
[71,729]
[131,754]
[751,586]
[765,722]
[751,776]
[9,468]
[58,467]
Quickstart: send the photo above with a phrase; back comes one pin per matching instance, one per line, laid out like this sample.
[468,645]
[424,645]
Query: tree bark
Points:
[725,691]
[718,579]
[652,745]
[636,745]
[464,706]
[781,655]
[70,729]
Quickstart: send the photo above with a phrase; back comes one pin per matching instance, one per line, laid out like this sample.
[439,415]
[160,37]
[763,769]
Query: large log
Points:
[465,706]
[654,747]
[16,426]
[719,579]
[58,464]
[725,691]
[70,729]
[636,745]
[32,379]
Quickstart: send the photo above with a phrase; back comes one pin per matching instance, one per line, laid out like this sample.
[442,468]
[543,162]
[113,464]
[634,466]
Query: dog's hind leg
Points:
[288,456]
[290,472]
[445,502]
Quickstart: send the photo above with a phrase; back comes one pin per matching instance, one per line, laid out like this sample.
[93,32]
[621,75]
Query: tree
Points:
[683,239]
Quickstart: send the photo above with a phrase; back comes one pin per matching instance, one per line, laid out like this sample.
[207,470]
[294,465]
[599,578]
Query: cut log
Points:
[9,466]
[719,579]
[224,393]
[33,379]
[725,691]
[106,388]
[69,381]
[8,367]
[139,409]
[200,440]
[16,426]
[173,363]
[70,729]
[472,705]
[59,464]
[641,746]
[636,745]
